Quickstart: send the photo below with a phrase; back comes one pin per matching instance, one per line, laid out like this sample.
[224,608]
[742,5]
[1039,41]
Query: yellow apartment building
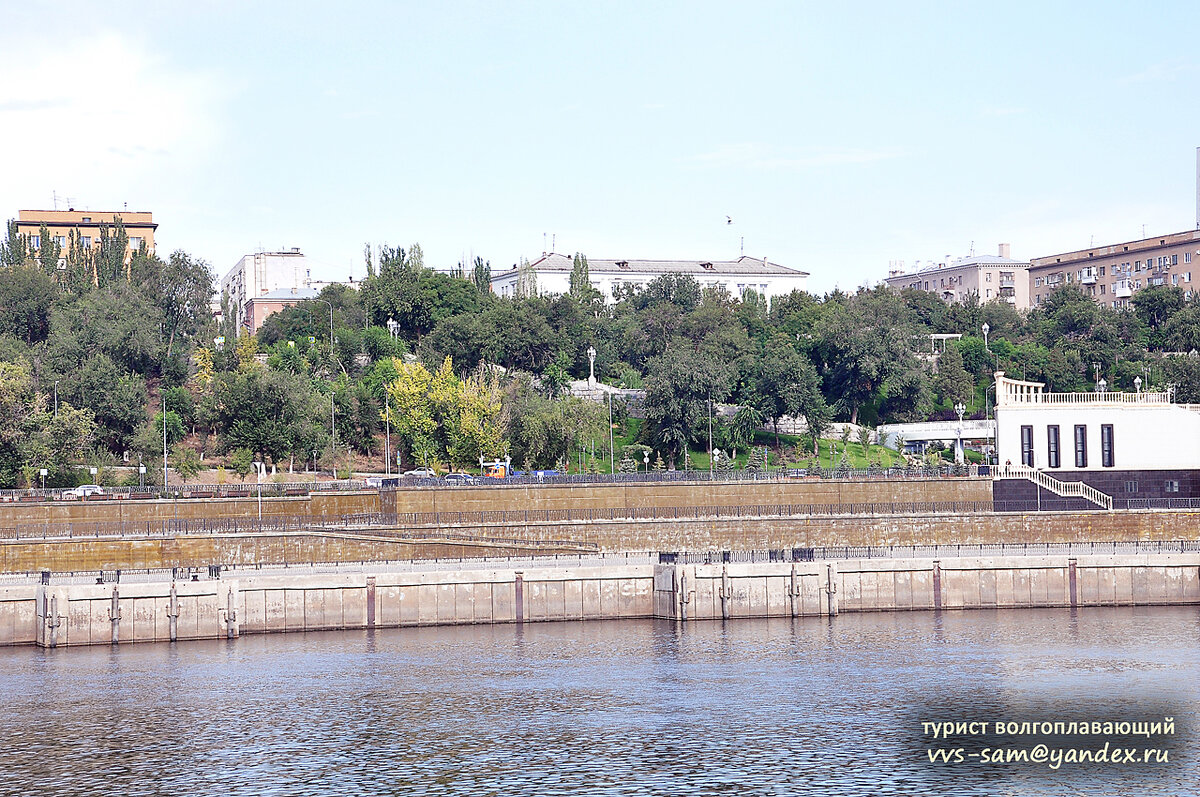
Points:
[139,226]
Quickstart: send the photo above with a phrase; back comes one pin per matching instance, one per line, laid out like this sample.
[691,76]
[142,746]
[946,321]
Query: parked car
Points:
[460,479]
[420,473]
[382,481]
[83,491]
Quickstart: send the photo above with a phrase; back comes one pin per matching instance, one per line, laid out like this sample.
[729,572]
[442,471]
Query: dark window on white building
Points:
[1052,459]
[1106,445]
[1027,446]
[1080,446]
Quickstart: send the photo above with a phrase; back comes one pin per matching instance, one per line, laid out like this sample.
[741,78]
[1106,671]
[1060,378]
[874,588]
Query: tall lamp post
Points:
[164,414]
[55,398]
[1137,385]
[332,393]
[959,408]
[591,354]
[393,327]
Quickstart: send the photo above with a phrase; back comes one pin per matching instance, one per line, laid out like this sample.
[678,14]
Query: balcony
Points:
[1087,276]
[1123,290]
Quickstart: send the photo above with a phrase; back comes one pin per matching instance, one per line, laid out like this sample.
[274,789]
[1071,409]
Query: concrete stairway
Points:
[1047,482]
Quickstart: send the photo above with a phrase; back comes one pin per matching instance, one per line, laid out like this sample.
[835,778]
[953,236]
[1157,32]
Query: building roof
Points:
[966,262]
[1119,249]
[286,295]
[743,265]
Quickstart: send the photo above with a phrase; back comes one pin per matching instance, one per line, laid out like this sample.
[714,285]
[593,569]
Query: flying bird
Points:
[728,220]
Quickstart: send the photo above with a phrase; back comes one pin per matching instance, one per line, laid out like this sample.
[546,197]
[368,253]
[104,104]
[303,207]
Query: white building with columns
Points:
[552,275]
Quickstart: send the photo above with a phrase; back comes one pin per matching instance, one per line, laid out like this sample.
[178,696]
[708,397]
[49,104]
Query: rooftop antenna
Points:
[543,243]
[972,249]
[742,246]
[54,198]
[1198,188]
[1143,230]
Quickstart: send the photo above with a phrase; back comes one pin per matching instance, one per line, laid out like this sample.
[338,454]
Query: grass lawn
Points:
[793,457]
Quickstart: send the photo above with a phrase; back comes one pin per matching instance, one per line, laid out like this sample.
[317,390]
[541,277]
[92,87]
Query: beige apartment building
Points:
[139,226]
[990,277]
[1113,274]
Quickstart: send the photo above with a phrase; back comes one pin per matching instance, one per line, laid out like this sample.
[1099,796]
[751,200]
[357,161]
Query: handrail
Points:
[1048,482]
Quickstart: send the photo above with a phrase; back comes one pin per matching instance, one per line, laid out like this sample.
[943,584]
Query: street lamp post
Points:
[332,395]
[612,454]
[1137,384]
[55,398]
[959,408]
[164,414]
[387,446]
[646,460]
[591,353]
[710,448]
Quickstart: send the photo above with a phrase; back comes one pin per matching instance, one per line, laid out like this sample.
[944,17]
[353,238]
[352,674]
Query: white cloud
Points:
[1161,71]
[758,156]
[92,116]
[1002,110]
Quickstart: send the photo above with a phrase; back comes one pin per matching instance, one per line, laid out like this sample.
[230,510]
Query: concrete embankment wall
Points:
[640,495]
[128,553]
[16,514]
[80,614]
[499,496]
[245,549]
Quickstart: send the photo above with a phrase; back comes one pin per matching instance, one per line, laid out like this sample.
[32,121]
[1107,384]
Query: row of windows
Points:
[35,241]
[1054,448]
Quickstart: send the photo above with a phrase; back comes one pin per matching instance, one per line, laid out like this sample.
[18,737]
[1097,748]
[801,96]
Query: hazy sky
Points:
[837,136]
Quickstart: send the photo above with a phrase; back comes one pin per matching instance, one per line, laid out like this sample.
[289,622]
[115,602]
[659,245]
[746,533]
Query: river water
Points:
[770,707]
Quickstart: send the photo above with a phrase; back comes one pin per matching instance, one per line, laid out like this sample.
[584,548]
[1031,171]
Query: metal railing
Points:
[186,491]
[1069,549]
[601,559]
[409,524]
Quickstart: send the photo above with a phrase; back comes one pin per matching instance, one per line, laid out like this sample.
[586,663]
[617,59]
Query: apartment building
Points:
[990,277]
[139,226]
[1112,274]
[264,283]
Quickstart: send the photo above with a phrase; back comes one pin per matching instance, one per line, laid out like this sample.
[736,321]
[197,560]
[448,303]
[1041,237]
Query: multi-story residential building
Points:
[990,277]
[551,274]
[264,283]
[139,226]
[1114,273]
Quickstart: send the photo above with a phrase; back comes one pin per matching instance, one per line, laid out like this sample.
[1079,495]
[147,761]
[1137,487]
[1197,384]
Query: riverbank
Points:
[216,603]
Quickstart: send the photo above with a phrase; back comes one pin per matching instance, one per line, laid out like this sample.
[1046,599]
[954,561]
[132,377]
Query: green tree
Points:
[745,423]
[27,295]
[481,275]
[680,385]
[954,384]
[180,287]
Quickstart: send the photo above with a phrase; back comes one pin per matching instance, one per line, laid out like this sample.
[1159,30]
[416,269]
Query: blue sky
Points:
[838,136]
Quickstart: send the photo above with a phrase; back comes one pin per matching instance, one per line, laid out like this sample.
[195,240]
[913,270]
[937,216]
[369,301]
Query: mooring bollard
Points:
[114,616]
[173,614]
[794,592]
[1073,577]
[519,596]
[726,593]
[231,626]
[53,621]
[937,585]
[831,589]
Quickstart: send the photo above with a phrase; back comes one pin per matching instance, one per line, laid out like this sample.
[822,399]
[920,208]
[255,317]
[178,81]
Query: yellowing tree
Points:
[476,428]
[412,415]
